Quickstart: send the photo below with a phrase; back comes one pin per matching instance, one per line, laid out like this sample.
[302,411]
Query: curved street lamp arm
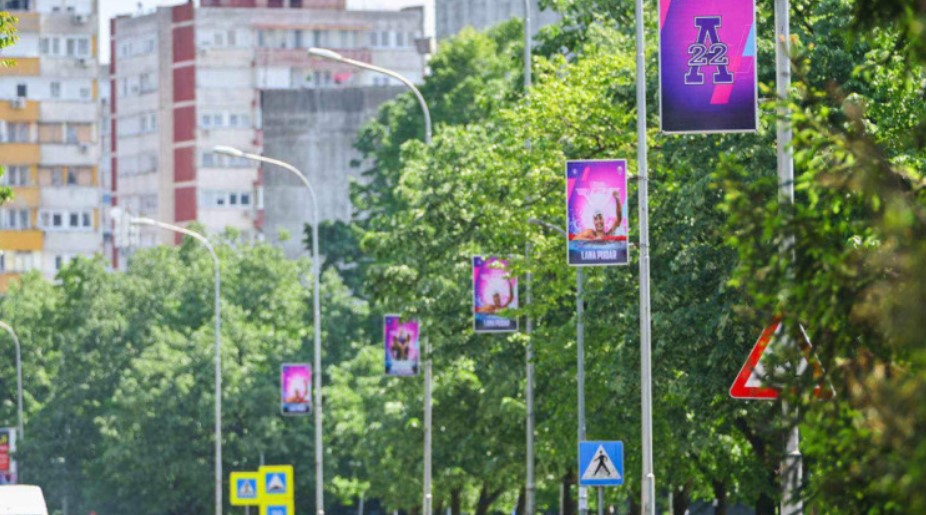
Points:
[327,54]
[547,225]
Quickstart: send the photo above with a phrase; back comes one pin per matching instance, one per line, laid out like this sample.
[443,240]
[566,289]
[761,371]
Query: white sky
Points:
[112,8]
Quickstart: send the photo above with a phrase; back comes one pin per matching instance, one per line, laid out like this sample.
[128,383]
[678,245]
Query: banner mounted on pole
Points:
[401,345]
[296,388]
[596,212]
[707,66]
[7,449]
[494,290]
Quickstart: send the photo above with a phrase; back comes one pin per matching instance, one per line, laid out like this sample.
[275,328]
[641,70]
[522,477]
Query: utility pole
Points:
[529,386]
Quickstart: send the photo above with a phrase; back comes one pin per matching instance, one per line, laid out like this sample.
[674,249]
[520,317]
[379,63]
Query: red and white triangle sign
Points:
[751,382]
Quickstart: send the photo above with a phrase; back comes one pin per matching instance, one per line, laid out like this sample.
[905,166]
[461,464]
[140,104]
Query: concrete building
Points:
[450,16]
[49,137]
[314,130]
[185,79]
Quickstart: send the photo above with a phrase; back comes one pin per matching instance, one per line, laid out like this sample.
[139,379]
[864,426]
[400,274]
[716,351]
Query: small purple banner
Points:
[494,290]
[596,212]
[401,342]
[296,389]
[707,66]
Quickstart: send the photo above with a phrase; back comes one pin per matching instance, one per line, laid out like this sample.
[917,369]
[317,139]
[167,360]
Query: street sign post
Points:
[275,485]
[242,487]
[601,463]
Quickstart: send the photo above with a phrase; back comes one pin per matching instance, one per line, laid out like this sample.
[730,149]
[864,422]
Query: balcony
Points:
[22,240]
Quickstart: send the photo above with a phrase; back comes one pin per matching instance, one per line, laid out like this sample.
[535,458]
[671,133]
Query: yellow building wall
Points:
[26,196]
[27,113]
[19,153]
[21,240]
[22,66]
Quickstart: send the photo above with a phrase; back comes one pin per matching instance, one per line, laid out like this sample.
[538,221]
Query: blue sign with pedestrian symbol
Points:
[278,510]
[601,463]
[246,488]
[276,483]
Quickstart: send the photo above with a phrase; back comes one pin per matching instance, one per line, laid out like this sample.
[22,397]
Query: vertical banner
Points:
[7,448]
[401,344]
[296,388]
[707,66]
[596,212]
[494,290]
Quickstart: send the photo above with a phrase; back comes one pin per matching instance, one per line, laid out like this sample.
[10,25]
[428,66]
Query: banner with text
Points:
[401,342]
[596,212]
[494,290]
[296,388]
[707,66]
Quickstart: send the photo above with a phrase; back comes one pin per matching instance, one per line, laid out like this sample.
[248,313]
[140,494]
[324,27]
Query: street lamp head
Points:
[324,53]
[228,151]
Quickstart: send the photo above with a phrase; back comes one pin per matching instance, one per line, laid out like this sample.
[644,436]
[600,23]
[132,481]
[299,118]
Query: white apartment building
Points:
[185,79]
[49,137]
[450,16]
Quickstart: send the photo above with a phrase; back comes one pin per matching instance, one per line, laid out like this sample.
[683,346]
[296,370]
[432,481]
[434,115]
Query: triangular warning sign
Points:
[601,466]
[276,484]
[751,382]
[246,489]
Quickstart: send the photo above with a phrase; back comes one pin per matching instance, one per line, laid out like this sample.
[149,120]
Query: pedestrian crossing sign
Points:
[276,483]
[601,463]
[278,508]
[243,488]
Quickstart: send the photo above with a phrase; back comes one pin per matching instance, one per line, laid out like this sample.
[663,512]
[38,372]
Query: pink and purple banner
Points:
[707,66]
[296,388]
[401,345]
[596,212]
[494,290]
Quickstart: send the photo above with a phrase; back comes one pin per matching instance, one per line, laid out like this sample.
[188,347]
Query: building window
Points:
[55,89]
[16,176]
[15,219]
[14,132]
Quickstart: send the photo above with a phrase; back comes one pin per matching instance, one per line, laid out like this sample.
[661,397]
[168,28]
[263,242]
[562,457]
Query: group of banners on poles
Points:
[296,388]
[707,66]
[271,487]
[494,290]
[400,339]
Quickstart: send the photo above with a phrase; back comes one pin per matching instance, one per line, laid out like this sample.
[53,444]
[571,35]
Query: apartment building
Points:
[450,16]
[49,137]
[184,79]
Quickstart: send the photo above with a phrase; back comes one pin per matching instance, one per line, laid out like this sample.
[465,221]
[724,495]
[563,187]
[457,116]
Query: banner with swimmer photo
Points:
[494,291]
[401,345]
[596,212]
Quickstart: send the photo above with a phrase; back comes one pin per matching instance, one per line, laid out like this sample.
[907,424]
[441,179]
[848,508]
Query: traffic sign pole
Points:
[580,377]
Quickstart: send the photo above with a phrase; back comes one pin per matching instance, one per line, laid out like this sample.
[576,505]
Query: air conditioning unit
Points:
[79,19]
[84,148]
[18,103]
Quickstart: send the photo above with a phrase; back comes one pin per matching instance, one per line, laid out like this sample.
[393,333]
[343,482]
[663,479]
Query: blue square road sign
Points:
[601,463]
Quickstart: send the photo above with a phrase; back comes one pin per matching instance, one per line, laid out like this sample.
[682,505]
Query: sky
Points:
[111,8]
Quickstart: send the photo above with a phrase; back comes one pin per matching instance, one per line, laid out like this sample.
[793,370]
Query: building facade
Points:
[314,130]
[49,137]
[451,16]
[186,79]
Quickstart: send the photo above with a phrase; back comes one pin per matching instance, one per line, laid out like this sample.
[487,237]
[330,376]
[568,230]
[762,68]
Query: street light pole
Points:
[218,345]
[791,502]
[19,378]
[331,55]
[316,311]
[529,386]
[580,355]
[648,485]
